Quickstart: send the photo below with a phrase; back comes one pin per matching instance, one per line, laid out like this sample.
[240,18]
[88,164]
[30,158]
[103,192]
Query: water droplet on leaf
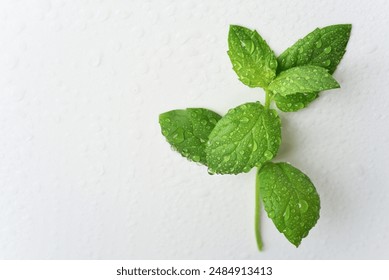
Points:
[178,136]
[268,155]
[327,50]
[303,205]
[244,120]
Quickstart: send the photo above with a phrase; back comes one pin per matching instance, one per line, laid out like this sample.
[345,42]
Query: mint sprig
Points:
[249,135]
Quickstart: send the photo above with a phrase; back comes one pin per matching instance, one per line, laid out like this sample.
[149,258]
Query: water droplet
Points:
[202,140]
[268,155]
[196,158]
[241,152]
[211,171]
[244,120]
[303,205]
[226,158]
[327,62]
[178,136]
[213,121]
[203,122]
[327,50]
[318,44]
[287,213]
[95,59]
[271,214]
[246,169]
[301,50]
[237,65]
[255,146]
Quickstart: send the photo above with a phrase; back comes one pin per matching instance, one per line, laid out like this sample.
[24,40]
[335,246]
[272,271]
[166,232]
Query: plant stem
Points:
[257,215]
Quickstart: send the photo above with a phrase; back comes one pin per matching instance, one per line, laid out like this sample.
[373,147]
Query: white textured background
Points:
[85,172]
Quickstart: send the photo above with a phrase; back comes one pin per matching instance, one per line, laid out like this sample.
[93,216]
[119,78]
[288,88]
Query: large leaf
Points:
[188,130]
[252,59]
[246,136]
[323,47]
[303,79]
[290,200]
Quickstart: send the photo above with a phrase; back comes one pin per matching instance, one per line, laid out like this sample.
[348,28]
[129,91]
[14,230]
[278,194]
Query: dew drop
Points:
[273,64]
[271,214]
[255,146]
[178,136]
[327,50]
[211,171]
[303,205]
[203,122]
[318,44]
[244,120]
[268,155]
[327,62]
[95,59]
[196,158]
[246,169]
[287,213]
[213,121]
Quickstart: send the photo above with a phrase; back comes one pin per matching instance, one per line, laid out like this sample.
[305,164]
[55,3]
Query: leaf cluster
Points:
[249,135]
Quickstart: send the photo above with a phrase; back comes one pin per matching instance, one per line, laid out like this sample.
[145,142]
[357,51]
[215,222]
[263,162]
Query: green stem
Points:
[268,99]
[258,215]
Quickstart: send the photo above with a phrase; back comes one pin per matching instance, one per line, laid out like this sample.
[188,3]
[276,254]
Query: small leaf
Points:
[252,59]
[323,47]
[302,79]
[294,102]
[188,130]
[290,200]
[246,136]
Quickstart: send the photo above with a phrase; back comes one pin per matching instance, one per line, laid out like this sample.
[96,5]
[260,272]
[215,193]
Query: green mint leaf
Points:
[294,102]
[252,59]
[302,79]
[290,200]
[188,130]
[246,136]
[323,47]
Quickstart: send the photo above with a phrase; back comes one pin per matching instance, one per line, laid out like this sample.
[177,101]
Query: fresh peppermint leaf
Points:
[188,130]
[323,47]
[302,79]
[246,136]
[290,200]
[294,102]
[252,59]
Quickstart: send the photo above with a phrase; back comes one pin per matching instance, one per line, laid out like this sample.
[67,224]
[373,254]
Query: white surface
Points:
[85,172]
